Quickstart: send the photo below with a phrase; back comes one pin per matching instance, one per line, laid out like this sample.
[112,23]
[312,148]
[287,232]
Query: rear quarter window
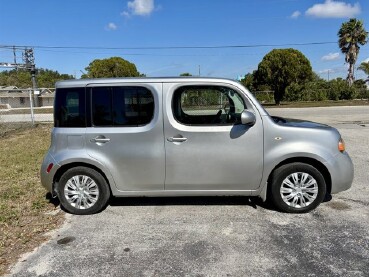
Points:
[70,107]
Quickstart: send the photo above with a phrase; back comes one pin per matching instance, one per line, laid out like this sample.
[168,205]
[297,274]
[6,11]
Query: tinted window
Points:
[121,106]
[101,106]
[70,107]
[207,105]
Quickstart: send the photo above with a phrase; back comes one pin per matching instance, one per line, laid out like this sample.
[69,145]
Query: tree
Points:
[364,66]
[22,78]
[111,67]
[350,36]
[47,78]
[248,81]
[339,89]
[282,67]
[186,74]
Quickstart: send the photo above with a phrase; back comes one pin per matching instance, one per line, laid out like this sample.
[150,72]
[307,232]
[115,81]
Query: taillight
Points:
[341,145]
[49,167]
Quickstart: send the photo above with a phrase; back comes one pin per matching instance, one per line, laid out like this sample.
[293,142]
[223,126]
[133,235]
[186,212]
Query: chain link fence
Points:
[265,96]
[24,107]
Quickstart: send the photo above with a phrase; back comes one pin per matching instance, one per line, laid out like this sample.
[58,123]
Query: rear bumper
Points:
[47,178]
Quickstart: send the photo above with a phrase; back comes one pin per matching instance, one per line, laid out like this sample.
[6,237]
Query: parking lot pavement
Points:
[328,115]
[220,236]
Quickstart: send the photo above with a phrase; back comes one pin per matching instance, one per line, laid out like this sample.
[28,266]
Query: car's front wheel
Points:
[83,190]
[297,188]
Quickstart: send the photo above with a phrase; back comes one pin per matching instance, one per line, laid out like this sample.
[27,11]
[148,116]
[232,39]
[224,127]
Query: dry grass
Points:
[24,208]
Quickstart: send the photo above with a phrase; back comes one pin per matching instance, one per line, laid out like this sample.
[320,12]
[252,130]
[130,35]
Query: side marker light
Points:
[341,145]
[49,167]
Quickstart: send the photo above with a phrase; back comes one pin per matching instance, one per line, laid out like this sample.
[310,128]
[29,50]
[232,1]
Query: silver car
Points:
[185,137]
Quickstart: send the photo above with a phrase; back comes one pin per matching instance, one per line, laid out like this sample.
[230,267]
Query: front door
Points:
[207,147]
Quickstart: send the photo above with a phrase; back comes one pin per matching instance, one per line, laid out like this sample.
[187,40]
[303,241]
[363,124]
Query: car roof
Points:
[142,80]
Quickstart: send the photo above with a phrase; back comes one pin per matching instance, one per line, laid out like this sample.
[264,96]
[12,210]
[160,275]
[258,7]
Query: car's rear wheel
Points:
[83,190]
[297,188]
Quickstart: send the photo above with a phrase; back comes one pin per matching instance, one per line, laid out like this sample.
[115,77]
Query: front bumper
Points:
[342,172]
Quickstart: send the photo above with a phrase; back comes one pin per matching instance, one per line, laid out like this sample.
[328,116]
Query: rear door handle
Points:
[176,139]
[100,139]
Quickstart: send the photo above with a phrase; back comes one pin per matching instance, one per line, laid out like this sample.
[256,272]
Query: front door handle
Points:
[176,139]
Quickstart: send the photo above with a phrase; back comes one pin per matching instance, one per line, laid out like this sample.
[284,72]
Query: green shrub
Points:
[264,96]
[362,93]
[315,95]
[347,93]
[293,92]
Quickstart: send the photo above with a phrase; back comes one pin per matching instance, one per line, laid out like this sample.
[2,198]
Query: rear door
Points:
[127,134]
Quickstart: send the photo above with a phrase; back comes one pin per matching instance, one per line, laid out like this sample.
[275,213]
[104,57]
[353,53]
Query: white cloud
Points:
[326,71]
[335,70]
[366,60]
[139,7]
[295,14]
[331,57]
[111,27]
[334,9]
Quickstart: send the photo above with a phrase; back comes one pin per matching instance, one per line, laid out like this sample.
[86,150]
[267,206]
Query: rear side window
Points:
[70,107]
[121,106]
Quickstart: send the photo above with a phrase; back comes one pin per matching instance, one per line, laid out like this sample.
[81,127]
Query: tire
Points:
[82,191]
[297,188]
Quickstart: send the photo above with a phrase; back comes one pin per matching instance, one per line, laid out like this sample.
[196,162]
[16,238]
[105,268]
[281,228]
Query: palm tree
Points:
[351,35]
[364,66]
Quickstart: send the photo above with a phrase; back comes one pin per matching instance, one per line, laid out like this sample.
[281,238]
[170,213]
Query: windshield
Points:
[253,99]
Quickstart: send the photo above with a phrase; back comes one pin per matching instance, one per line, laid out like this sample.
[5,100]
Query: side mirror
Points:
[248,118]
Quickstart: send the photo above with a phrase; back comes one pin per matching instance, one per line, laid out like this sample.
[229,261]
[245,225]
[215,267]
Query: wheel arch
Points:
[68,166]
[310,161]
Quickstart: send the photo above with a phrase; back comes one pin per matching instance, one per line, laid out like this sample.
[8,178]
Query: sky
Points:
[170,37]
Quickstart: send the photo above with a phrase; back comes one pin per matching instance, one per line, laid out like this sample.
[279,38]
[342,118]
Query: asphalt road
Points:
[222,236]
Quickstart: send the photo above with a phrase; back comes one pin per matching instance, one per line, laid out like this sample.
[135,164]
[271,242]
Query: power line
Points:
[147,54]
[165,47]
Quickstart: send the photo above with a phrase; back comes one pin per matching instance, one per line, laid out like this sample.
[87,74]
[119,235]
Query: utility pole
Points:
[29,61]
[15,56]
[28,64]
[199,71]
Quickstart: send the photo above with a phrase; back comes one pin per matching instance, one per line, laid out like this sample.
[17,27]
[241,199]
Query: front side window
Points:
[207,105]
[70,107]
[121,106]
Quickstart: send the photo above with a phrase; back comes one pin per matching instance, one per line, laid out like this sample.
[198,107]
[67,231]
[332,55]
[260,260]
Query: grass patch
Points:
[9,128]
[23,203]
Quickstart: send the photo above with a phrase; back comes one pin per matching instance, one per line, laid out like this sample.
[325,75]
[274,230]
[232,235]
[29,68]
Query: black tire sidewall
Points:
[104,191]
[281,173]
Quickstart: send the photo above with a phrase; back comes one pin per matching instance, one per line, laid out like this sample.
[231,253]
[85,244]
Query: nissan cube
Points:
[187,136]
